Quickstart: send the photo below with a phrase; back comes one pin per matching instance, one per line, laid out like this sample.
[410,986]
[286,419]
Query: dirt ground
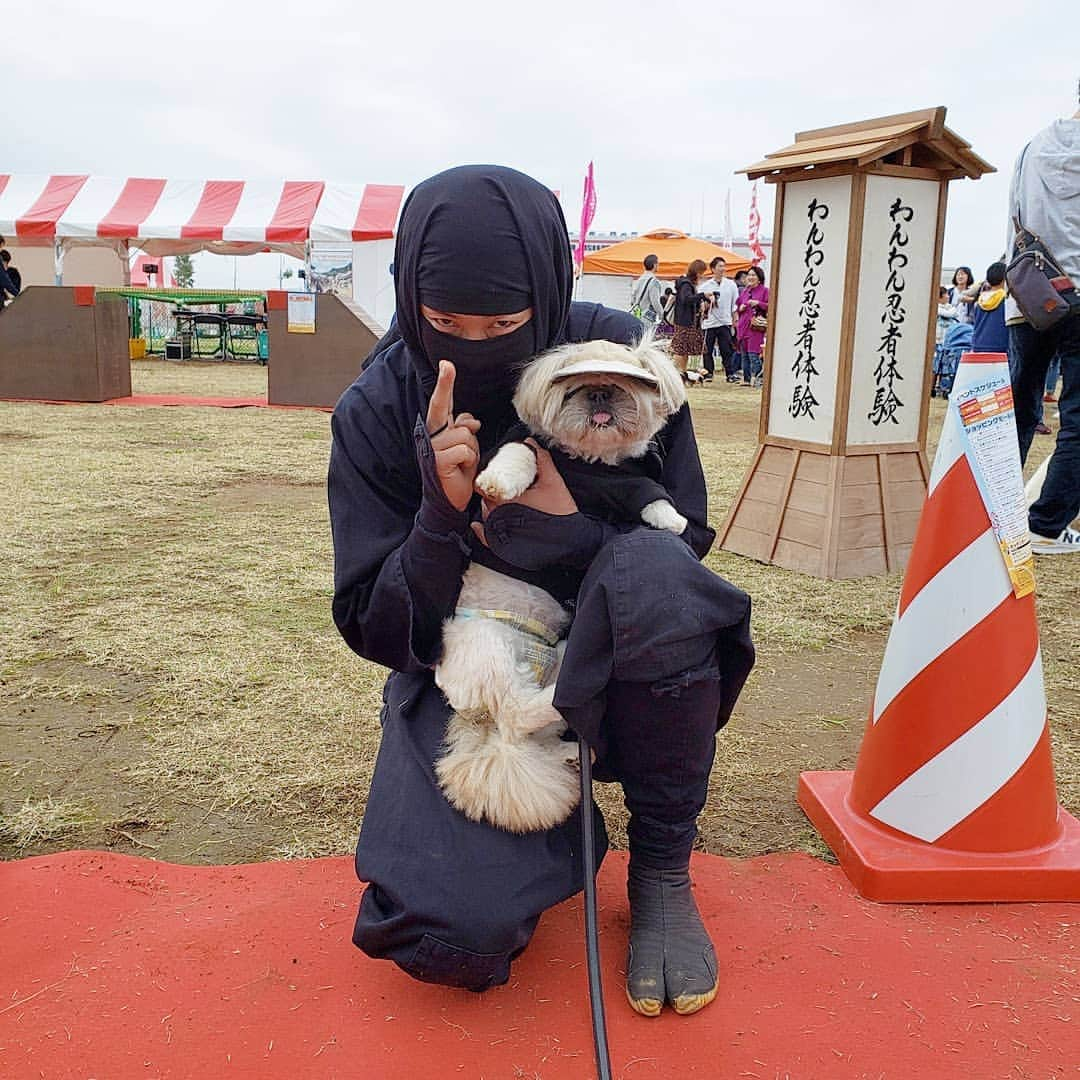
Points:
[81,734]
[84,751]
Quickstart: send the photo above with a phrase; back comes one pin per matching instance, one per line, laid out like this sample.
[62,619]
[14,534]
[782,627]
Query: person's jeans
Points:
[1053,373]
[1030,355]
[751,366]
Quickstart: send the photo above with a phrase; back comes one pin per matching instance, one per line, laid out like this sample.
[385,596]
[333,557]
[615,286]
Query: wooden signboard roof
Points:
[916,139]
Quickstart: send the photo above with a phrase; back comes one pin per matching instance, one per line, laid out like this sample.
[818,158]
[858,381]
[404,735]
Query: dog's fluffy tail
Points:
[522,785]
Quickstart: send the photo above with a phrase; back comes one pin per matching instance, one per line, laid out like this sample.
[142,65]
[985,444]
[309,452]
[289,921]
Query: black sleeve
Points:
[400,547]
[684,480]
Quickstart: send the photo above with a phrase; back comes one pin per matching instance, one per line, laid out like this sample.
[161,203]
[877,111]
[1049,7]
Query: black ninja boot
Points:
[671,957]
[661,747]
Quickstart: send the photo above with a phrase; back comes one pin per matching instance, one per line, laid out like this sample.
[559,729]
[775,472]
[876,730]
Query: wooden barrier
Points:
[64,344]
[315,369]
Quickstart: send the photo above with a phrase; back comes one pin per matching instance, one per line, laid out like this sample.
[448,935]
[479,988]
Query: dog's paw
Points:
[662,515]
[509,473]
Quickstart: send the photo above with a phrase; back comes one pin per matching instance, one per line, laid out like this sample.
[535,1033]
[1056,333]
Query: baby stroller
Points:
[947,355]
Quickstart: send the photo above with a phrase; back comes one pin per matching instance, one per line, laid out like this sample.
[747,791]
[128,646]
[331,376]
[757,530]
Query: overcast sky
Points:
[667,98]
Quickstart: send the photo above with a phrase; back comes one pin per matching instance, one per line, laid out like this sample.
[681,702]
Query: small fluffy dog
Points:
[597,407]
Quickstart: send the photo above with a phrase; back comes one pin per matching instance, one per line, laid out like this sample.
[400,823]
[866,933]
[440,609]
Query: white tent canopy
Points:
[175,217]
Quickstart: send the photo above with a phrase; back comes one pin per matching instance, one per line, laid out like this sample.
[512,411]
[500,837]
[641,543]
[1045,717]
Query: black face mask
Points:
[486,371]
[481,240]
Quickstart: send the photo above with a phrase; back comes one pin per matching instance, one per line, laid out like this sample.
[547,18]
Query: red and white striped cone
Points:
[953,796]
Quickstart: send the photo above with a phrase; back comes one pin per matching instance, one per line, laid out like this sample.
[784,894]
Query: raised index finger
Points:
[441,407]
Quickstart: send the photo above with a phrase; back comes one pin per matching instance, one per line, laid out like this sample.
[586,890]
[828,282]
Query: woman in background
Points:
[963,294]
[753,302]
[688,339]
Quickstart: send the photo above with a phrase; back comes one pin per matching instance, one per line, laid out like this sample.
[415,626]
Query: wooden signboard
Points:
[840,473]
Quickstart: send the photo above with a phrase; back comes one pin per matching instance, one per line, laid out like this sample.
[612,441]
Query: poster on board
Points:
[301,314]
[330,269]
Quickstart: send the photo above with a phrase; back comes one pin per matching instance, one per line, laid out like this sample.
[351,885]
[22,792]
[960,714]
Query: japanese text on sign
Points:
[886,374]
[803,401]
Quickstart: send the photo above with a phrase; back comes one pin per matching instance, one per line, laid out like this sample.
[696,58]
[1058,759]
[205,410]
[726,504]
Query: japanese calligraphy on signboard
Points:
[806,324]
[896,289]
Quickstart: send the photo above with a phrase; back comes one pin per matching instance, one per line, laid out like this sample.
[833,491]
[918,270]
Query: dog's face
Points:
[607,413]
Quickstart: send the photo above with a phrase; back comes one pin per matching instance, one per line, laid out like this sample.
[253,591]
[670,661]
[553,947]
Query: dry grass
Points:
[42,820]
[189,549]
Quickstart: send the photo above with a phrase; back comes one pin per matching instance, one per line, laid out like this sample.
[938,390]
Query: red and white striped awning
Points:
[166,217]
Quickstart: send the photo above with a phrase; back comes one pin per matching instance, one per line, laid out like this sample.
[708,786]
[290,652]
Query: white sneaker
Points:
[1067,542]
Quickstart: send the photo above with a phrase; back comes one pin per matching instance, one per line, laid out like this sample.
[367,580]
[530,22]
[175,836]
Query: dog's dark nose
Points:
[599,395]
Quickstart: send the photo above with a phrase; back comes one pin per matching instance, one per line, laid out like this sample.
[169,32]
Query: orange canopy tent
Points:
[674,249]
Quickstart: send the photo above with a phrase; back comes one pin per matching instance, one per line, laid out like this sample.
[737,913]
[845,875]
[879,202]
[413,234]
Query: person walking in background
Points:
[944,361]
[989,333]
[751,308]
[963,293]
[665,328]
[8,288]
[12,272]
[736,360]
[718,321]
[1053,373]
[688,339]
[645,296]
[1044,198]
[946,315]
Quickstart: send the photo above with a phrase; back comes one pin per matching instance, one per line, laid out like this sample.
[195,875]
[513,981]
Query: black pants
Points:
[1030,355]
[656,657]
[722,337]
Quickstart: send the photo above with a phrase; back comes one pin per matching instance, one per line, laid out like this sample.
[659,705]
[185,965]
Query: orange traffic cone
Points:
[953,796]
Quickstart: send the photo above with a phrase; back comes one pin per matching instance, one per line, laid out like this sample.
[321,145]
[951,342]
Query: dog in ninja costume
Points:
[597,408]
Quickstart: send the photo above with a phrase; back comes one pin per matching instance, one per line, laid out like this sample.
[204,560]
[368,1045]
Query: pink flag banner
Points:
[588,212]
[754,230]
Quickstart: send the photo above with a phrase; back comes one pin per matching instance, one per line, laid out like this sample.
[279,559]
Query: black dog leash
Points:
[592,942]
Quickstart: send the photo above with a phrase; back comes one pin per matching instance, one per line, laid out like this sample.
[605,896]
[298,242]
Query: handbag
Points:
[1043,292]
[759,322]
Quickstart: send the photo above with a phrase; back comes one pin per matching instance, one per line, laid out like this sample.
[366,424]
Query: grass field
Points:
[171,682]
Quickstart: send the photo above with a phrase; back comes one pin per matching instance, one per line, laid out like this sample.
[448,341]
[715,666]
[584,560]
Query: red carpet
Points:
[185,399]
[179,399]
[117,967]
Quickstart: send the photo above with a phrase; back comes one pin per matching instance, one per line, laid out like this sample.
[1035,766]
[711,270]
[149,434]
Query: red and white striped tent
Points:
[175,217]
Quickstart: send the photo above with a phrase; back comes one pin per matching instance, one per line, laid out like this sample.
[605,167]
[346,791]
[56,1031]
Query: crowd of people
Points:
[973,319]
[706,314]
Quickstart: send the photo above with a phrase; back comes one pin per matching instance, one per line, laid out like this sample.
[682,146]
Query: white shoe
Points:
[1067,542]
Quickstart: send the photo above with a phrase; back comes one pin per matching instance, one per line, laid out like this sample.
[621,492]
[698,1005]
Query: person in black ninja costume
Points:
[657,653]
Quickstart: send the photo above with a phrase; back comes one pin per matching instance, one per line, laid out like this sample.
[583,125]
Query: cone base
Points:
[889,868]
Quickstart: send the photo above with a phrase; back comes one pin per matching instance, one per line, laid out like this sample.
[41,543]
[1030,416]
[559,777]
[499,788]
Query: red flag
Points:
[588,212]
[753,242]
